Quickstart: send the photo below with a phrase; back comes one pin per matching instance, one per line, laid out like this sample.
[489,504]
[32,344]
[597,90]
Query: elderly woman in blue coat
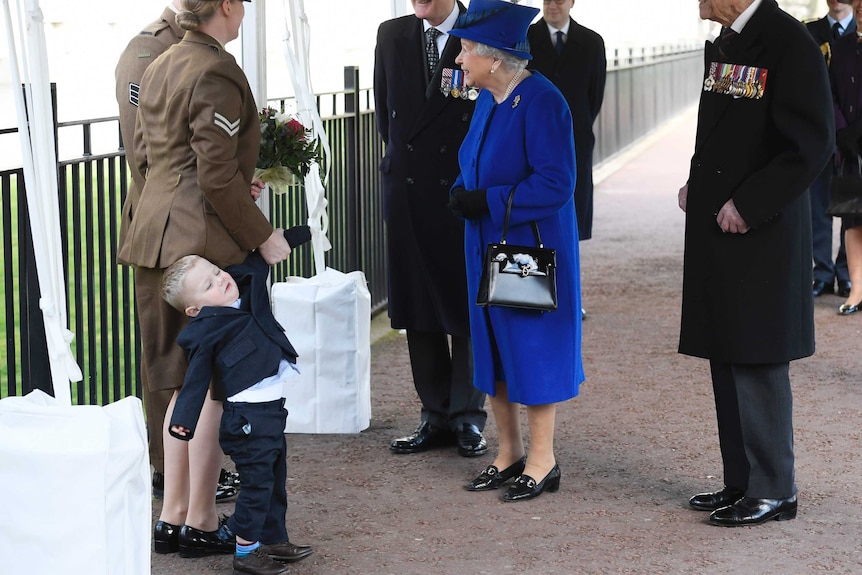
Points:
[520,138]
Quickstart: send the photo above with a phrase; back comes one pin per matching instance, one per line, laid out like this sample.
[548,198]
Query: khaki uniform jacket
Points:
[142,50]
[197,138]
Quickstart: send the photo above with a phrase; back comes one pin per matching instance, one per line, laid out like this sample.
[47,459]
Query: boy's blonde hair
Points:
[172,290]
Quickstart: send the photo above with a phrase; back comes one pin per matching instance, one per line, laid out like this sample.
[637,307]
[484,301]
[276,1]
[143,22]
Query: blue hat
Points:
[497,24]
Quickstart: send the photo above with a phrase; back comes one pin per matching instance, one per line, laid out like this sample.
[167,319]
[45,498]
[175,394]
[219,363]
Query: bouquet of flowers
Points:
[286,147]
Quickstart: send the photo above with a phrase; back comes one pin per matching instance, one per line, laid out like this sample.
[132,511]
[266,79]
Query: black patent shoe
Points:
[844,288]
[751,511]
[196,543]
[847,309]
[717,499]
[228,478]
[166,538]
[493,478]
[471,443]
[224,493]
[426,436]
[525,487]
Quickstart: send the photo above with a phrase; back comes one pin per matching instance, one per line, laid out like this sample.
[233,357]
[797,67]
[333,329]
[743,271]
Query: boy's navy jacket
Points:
[235,348]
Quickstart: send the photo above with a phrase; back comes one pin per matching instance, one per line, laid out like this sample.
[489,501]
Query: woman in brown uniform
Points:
[197,137]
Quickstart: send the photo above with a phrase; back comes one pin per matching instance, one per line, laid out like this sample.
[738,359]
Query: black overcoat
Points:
[579,73]
[423,130]
[747,297]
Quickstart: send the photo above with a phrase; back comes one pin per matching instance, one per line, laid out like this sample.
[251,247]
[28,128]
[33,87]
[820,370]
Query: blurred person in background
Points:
[830,276]
[573,58]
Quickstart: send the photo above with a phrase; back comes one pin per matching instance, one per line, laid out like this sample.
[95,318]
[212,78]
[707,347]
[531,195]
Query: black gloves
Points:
[468,204]
[297,235]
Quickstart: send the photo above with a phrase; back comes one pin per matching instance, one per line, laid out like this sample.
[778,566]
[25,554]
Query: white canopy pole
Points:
[306,105]
[40,176]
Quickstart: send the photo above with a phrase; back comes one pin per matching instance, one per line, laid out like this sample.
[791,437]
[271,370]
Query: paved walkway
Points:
[637,442]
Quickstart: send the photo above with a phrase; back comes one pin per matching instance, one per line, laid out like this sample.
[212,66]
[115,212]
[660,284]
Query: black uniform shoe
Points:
[425,437]
[716,500]
[258,563]
[751,511]
[844,288]
[819,288]
[158,484]
[470,441]
[196,543]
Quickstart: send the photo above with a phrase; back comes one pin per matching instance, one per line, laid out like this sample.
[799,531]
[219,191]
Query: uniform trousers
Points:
[444,380]
[825,270]
[754,407]
[163,362]
[252,434]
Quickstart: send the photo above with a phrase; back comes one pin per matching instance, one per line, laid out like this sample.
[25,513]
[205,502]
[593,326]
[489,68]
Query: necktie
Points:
[431,35]
[560,42]
[727,34]
[836,31]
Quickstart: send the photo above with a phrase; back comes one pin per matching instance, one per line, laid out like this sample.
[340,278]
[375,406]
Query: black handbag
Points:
[519,276]
[845,194]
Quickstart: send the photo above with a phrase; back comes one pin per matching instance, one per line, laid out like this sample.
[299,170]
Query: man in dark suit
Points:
[423,126]
[765,130]
[573,58]
[827,273]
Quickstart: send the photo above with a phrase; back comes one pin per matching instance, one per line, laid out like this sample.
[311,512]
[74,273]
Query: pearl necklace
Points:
[511,86]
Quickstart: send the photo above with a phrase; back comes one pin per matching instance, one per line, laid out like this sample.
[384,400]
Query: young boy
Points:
[234,341]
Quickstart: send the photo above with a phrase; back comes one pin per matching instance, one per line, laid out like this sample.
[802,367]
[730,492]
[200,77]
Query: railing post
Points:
[352,162]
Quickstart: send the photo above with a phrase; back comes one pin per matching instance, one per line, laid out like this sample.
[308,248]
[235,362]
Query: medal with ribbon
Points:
[452,83]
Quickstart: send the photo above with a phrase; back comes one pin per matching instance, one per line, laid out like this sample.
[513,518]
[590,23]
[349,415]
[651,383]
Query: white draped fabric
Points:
[30,69]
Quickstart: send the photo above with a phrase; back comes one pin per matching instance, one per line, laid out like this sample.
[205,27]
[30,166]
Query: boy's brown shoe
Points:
[258,563]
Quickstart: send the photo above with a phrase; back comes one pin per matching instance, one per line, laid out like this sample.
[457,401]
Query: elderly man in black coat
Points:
[423,126]
[765,130]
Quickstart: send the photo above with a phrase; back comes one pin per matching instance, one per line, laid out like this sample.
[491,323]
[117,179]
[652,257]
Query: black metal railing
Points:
[644,89]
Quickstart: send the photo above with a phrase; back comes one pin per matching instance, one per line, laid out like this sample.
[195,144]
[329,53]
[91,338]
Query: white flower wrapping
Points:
[522,264]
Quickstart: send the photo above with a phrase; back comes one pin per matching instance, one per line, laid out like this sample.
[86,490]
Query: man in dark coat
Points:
[423,127]
[765,130]
[577,67]
[837,23]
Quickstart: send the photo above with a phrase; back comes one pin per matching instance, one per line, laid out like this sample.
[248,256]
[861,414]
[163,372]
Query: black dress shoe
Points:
[751,511]
[844,288]
[225,493]
[847,309]
[196,543]
[470,441]
[287,552]
[717,499]
[493,478]
[258,563]
[525,487]
[166,538]
[819,288]
[425,437]
[228,478]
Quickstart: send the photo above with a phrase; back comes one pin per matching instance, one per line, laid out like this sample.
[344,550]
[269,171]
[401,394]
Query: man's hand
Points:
[729,220]
[257,187]
[275,249]
[682,196]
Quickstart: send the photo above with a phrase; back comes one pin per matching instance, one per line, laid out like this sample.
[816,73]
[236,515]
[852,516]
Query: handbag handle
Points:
[506,221]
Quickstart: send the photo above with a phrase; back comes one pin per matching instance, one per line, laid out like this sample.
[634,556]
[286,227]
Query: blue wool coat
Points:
[525,142]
